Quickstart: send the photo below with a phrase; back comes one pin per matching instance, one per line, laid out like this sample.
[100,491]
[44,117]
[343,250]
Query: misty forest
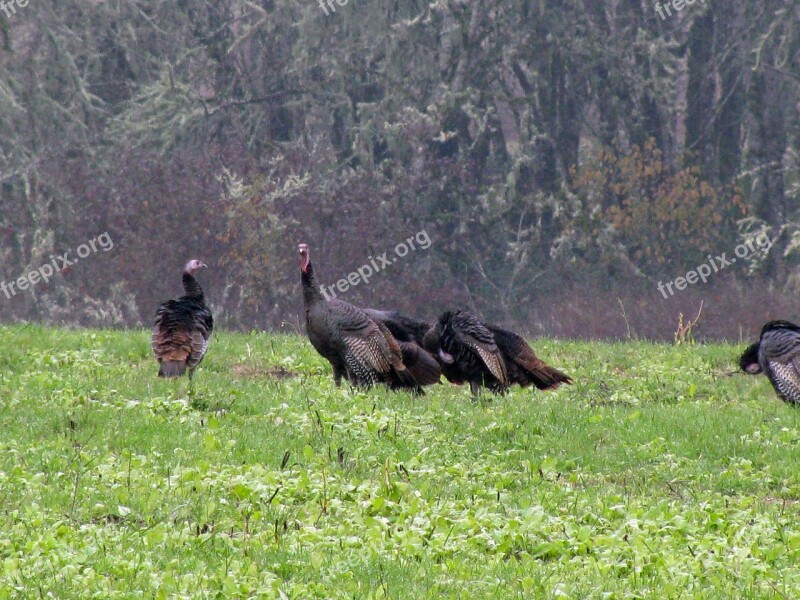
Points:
[562,157]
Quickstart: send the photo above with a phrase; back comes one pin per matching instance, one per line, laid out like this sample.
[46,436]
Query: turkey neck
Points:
[311,293]
[191,287]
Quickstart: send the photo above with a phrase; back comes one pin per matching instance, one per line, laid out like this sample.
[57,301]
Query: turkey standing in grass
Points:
[467,351]
[487,355]
[183,328]
[409,333]
[777,354]
[522,364]
[359,349]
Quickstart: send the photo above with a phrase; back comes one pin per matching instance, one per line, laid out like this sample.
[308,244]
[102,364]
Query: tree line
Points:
[563,156]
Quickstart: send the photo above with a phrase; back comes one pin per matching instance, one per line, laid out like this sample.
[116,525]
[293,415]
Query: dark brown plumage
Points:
[522,364]
[777,354]
[487,355]
[409,333]
[183,328]
[748,361]
[468,352]
[359,349]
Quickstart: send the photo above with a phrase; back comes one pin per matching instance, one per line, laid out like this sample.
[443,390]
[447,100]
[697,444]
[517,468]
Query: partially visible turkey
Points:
[183,328]
[748,361]
[359,349]
[487,355]
[778,354]
[403,327]
[468,352]
[409,333]
[522,364]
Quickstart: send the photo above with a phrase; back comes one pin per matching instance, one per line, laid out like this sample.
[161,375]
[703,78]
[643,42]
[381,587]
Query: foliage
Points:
[470,120]
[255,229]
[661,217]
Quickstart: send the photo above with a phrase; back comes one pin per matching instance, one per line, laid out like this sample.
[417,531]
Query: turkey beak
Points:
[446,358]
[203,266]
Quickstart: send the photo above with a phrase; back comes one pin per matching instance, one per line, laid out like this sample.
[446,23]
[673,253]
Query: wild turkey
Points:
[183,328]
[522,365]
[409,333]
[468,352]
[748,361]
[359,349]
[519,363]
[778,354]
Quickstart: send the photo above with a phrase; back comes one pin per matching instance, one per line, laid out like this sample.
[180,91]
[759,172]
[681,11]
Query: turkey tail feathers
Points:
[172,368]
[548,378]
[420,363]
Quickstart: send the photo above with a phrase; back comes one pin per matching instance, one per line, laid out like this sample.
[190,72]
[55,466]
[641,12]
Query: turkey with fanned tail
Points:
[359,349]
[183,328]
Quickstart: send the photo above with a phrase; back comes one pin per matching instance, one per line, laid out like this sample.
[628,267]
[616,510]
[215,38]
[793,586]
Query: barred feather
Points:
[487,355]
[409,333]
[358,348]
[522,364]
[182,331]
[779,358]
[475,356]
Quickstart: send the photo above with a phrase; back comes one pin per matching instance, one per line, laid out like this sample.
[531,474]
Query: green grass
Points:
[654,476]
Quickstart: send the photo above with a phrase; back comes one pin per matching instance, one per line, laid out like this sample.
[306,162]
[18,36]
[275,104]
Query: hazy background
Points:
[563,157]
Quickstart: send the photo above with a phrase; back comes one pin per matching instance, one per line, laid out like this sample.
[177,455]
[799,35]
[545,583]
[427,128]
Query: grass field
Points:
[655,476]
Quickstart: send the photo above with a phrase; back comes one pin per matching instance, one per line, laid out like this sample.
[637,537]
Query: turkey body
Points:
[404,328]
[182,328]
[778,352]
[470,350]
[359,349]
[409,333]
[467,351]
[522,365]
